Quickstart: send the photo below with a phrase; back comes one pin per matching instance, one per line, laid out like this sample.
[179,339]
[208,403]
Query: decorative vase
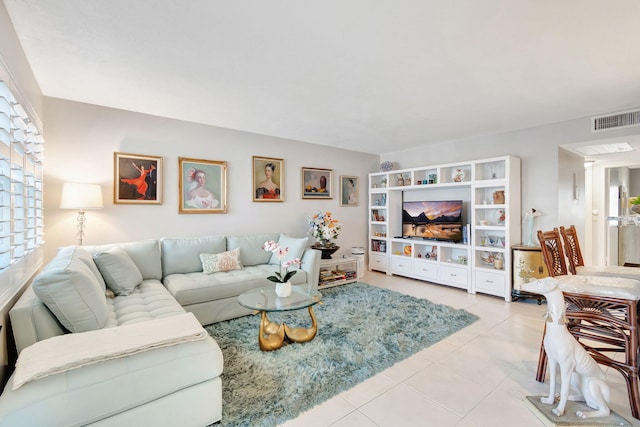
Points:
[326,247]
[635,209]
[283,290]
[530,231]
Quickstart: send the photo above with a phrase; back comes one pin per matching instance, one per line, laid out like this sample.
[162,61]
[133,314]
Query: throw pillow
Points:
[296,248]
[72,292]
[119,271]
[225,261]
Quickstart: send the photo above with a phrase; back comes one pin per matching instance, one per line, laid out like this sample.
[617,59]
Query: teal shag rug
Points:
[362,330]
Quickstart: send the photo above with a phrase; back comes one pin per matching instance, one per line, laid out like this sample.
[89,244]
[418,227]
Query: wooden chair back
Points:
[552,252]
[572,247]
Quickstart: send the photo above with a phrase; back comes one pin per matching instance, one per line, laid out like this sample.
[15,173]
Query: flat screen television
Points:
[433,220]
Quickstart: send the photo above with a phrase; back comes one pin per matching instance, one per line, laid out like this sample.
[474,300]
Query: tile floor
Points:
[476,377]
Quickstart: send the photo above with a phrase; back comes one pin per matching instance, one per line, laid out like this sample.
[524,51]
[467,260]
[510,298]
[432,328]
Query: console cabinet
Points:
[490,191]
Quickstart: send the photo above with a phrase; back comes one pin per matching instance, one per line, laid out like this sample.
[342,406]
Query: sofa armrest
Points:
[311,265]
[32,321]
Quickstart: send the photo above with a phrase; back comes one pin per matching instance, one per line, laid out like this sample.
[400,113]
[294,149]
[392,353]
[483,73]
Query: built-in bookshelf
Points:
[481,262]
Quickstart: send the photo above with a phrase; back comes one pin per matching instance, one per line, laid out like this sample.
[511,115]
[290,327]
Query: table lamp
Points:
[81,196]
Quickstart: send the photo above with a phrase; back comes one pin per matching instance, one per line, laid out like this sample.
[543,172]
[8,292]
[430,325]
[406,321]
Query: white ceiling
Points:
[369,75]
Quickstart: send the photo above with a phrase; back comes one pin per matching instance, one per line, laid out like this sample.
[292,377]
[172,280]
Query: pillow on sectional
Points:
[225,261]
[251,252]
[183,255]
[144,253]
[68,288]
[296,248]
[119,271]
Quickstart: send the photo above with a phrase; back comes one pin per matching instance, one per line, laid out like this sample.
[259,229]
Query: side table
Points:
[528,264]
[338,271]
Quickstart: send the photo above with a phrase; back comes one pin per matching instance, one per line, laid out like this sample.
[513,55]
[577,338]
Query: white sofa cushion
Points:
[145,254]
[119,271]
[183,255]
[85,256]
[251,252]
[149,300]
[194,288]
[295,245]
[72,292]
[225,261]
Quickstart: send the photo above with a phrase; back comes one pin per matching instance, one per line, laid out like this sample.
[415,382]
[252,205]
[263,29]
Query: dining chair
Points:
[576,262]
[602,314]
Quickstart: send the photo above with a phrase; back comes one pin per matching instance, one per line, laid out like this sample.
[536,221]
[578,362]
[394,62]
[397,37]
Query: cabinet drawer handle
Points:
[489,281]
[452,275]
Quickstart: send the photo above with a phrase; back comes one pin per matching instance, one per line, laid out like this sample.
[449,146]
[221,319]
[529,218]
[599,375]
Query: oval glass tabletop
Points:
[265,299]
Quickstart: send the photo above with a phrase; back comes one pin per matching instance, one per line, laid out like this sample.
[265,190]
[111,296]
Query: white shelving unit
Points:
[490,191]
[338,271]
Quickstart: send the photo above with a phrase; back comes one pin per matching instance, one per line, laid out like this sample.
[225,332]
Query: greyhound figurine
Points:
[577,367]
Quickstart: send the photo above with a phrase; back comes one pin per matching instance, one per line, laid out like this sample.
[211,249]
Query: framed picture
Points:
[203,186]
[316,183]
[137,179]
[349,194]
[268,179]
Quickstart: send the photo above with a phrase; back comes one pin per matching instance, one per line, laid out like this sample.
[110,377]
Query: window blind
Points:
[21,194]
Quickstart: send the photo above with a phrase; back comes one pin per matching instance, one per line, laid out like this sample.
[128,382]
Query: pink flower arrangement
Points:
[280,253]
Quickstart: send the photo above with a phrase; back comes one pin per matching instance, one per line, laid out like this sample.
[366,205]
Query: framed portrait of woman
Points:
[317,183]
[268,179]
[137,179]
[349,191]
[203,186]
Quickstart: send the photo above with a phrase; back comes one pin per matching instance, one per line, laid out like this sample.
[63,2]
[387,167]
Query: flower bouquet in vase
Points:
[324,228]
[281,278]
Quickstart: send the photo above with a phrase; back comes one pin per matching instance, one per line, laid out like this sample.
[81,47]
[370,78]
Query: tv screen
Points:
[437,220]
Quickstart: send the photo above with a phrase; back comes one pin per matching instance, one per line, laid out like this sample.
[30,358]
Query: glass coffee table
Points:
[272,335]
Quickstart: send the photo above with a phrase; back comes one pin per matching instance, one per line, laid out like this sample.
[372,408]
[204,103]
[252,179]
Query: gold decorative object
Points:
[272,336]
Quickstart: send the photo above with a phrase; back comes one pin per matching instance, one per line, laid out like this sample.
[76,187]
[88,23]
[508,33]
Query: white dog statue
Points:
[577,368]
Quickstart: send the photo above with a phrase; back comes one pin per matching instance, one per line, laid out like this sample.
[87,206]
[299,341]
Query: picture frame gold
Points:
[316,183]
[137,179]
[268,179]
[202,186]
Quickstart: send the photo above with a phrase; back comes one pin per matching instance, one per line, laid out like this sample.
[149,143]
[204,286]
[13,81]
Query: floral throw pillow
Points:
[225,261]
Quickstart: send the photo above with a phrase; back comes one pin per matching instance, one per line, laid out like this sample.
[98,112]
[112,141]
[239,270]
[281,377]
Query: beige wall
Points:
[82,138]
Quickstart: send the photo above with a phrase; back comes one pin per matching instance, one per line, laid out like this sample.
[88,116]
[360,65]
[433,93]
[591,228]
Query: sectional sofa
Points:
[112,335]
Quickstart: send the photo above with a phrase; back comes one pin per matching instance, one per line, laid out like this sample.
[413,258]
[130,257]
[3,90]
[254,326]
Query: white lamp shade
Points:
[81,196]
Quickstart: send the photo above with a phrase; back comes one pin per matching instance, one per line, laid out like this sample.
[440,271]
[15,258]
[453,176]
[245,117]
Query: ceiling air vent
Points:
[616,121]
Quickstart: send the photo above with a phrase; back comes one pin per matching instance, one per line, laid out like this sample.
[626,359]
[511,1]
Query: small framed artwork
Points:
[268,179]
[316,183]
[202,186]
[137,179]
[349,190]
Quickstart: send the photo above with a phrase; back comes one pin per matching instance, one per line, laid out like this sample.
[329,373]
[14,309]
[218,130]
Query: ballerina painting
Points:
[137,179]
